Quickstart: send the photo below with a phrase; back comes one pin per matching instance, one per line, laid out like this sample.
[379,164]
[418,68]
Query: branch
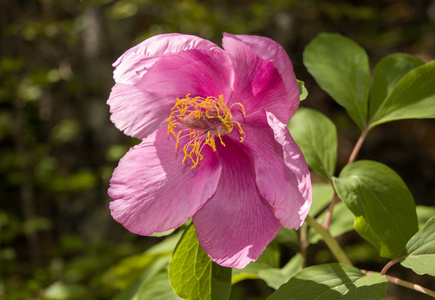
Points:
[358,145]
[351,160]
[328,217]
[407,284]
[390,264]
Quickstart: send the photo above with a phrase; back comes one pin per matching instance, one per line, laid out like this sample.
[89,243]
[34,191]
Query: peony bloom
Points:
[215,144]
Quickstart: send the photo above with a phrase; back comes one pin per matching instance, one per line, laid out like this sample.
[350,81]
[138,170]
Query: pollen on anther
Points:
[204,119]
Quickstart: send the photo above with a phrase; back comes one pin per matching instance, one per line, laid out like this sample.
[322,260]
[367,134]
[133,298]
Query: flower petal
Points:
[135,62]
[140,109]
[257,84]
[136,112]
[195,72]
[282,175]
[236,224]
[272,51]
[154,192]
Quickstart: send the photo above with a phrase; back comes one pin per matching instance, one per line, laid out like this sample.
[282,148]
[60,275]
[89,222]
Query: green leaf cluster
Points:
[375,200]
[332,281]
[402,88]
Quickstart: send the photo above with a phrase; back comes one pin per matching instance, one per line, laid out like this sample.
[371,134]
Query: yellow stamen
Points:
[178,139]
[222,142]
[205,119]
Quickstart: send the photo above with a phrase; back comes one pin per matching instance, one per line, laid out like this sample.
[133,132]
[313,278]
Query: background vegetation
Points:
[58,148]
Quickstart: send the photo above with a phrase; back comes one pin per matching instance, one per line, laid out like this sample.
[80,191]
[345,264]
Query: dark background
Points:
[58,147]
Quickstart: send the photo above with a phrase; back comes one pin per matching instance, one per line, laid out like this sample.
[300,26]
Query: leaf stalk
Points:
[330,241]
[407,284]
[358,145]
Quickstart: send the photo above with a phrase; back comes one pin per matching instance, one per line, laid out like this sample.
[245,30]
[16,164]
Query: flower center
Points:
[201,119]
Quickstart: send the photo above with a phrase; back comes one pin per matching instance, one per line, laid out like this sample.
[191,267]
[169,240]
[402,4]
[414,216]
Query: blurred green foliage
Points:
[58,147]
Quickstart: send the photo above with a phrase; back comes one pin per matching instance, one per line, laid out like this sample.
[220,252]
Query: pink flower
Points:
[215,144]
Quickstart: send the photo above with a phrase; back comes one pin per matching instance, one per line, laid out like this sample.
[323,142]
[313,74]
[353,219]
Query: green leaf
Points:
[387,74]
[267,268]
[152,284]
[157,288]
[130,268]
[192,273]
[341,68]
[269,259]
[164,233]
[412,98]
[421,250]
[275,277]
[331,281]
[316,135]
[372,286]
[424,213]
[303,93]
[287,237]
[383,207]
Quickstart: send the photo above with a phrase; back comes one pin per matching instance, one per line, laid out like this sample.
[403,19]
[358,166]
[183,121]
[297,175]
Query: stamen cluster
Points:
[204,119]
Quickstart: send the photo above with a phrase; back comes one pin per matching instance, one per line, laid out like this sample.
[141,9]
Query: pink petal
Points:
[140,109]
[282,175]
[136,112]
[272,51]
[154,192]
[236,224]
[136,61]
[194,72]
[258,84]
[301,190]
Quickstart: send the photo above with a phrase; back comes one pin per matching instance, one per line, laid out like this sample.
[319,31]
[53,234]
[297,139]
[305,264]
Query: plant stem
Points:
[330,241]
[389,265]
[352,158]
[358,145]
[328,218]
[406,284]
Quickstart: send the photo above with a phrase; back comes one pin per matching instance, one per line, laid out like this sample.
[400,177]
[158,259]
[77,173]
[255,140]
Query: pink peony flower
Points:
[215,144]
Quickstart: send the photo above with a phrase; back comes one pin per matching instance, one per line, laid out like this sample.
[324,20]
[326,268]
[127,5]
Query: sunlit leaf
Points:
[372,286]
[317,137]
[424,213]
[192,273]
[412,98]
[157,288]
[421,250]
[387,74]
[331,281]
[152,284]
[340,67]
[126,271]
[303,93]
[383,207]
